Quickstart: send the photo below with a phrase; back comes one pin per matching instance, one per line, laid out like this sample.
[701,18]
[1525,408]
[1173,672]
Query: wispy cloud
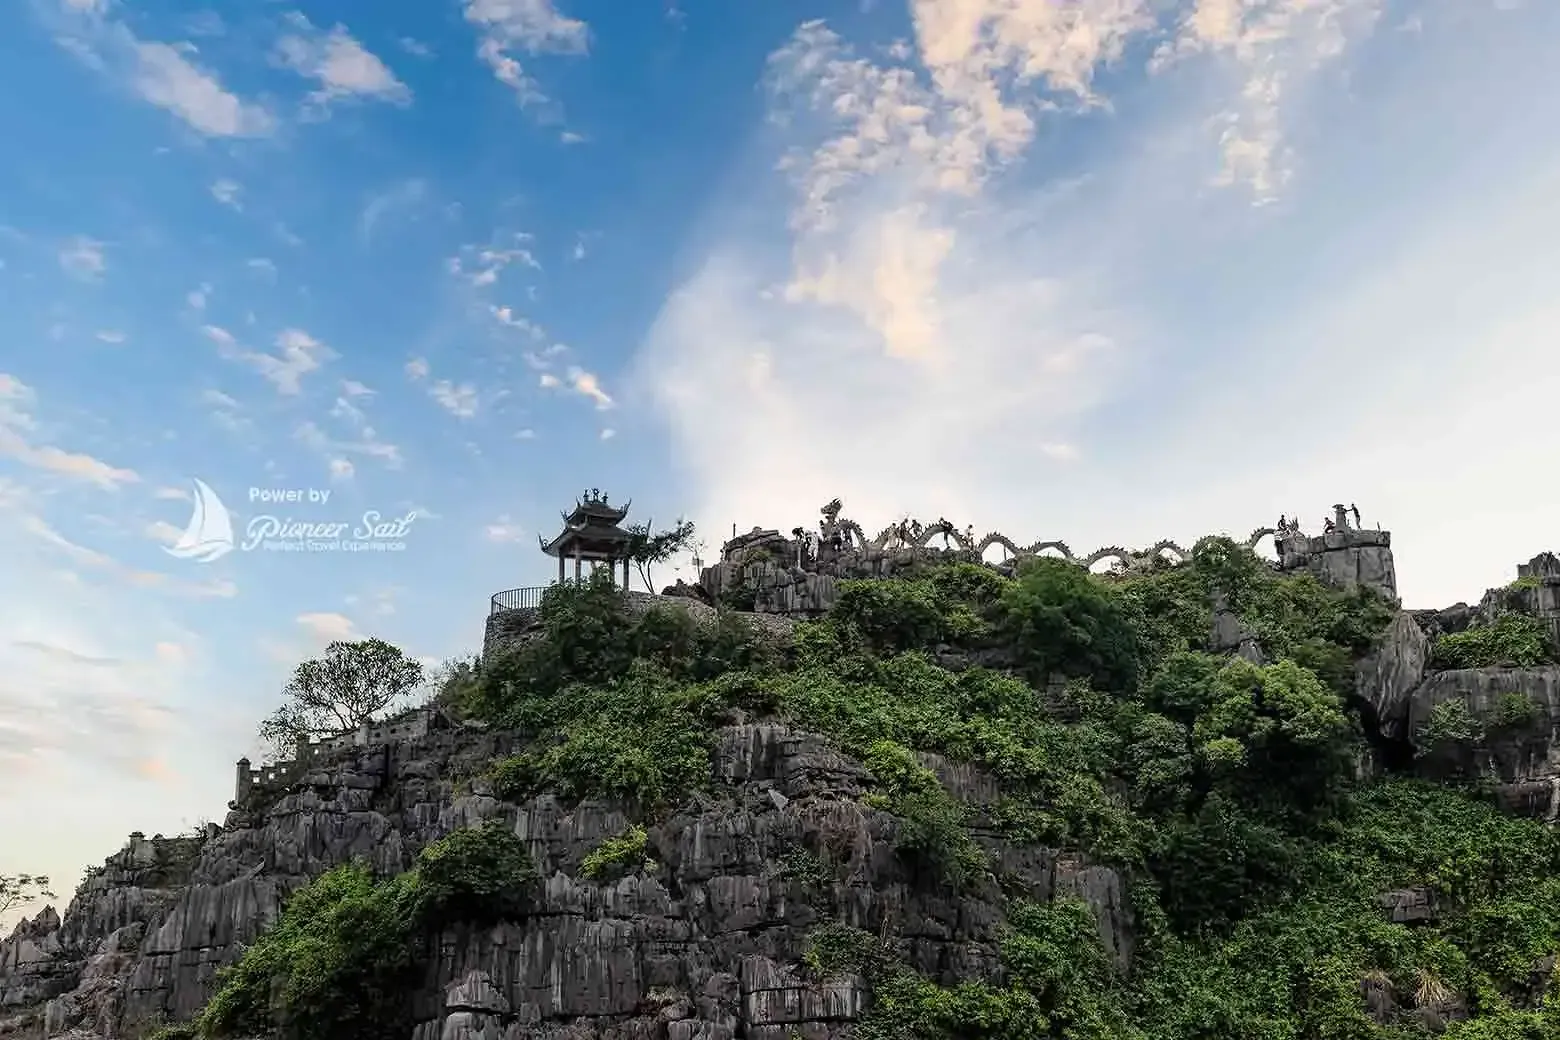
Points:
[17,428]
[504,529]
[169,76]
[227,192]
[578,380]
[339,64]
[401,196]
[529,27]
[297,354]
[459,400]
[83,258]
[480,266]
[365,442]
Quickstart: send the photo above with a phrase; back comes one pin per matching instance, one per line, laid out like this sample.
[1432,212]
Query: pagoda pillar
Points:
[625,574]
[560,568]
[576,565]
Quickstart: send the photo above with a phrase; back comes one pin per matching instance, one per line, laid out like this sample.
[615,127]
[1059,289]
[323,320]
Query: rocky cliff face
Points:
[704,945]
[1344,558]
[1503,723]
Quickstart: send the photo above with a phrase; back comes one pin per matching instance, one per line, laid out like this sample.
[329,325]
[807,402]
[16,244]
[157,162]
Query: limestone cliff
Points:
[706,935]
[705,946]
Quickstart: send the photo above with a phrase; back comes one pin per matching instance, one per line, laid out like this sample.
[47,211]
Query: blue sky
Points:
[1108,271]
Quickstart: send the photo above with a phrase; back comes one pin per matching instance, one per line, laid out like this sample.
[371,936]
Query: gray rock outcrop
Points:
[704,946]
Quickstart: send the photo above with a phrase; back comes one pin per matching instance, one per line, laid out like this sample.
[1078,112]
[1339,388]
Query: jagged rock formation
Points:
[1515,711]
[700,946]
[705,943]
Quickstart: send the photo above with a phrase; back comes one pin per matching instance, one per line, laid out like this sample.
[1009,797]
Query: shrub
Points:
[474,874]
[339,962]
[335,966]
[1060,618]
[617,855]
[1510,641]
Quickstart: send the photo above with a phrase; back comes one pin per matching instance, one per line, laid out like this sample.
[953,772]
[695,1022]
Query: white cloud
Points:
[507,316]
[16,426]
[587,385]
[608,434]
[482,265]
[341,65]
[1274,46]
[328,627]
[261,266]
[365,441]
[83,258]
[165,77]
[504,530]
[581,382]
[459,401]
[227,192]
[417,370]
[528,26]
[196,299]
[113,336]
[297,354]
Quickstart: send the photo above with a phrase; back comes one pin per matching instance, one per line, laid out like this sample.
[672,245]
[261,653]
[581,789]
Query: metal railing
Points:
[518,599]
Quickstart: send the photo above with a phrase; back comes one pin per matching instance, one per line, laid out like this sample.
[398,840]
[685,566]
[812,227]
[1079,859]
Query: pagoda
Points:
[591,533]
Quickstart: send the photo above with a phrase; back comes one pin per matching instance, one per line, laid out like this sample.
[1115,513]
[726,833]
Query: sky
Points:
[1108,271]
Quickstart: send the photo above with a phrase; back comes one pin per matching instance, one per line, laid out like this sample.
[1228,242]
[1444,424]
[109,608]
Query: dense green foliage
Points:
[336,965]
[1511,639]
[1226,792]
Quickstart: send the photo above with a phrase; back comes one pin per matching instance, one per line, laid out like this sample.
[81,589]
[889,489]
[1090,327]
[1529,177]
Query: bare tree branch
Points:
[18,890]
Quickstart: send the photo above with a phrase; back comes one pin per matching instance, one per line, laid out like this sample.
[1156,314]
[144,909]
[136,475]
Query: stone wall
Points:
[510,628]
[406,725]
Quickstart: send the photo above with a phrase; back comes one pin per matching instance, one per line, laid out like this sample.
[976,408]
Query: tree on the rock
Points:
[355,682]
[648,548]
[18,890]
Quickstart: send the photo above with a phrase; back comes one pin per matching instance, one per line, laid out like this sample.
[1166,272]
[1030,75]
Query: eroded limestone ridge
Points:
[707,946]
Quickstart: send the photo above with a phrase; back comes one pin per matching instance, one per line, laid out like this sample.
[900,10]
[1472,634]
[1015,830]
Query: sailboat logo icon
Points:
[209,534]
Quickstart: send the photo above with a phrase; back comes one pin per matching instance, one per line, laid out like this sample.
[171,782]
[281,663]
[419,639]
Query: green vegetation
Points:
[617,856]
[1510,641]
[1226,794]
[338,963]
